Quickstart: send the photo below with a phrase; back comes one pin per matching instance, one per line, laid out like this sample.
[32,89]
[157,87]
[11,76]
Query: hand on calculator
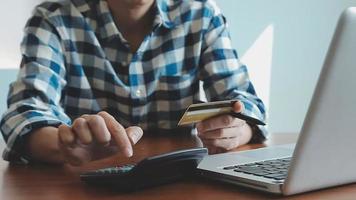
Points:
[92,137]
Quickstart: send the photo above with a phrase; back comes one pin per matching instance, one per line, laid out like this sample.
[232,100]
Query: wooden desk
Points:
[62,182]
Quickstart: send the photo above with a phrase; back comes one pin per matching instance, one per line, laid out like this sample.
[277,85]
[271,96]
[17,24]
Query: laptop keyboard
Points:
[276,169]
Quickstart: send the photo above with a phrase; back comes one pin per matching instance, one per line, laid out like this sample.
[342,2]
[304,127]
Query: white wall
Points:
[302,30]
[13,16]
[288,38]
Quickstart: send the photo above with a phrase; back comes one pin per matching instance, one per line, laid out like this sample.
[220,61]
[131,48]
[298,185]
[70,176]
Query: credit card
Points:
[201,111]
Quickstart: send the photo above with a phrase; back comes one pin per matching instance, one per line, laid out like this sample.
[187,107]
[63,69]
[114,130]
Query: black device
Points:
[151,171]
[247,118]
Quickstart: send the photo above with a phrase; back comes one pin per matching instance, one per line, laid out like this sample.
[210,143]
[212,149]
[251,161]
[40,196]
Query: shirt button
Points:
[138,93]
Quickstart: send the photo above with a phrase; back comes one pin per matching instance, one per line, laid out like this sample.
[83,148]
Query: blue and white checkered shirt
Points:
[76,61]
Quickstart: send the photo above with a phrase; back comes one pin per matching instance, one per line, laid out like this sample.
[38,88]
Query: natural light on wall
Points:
[258,58]
[11,34]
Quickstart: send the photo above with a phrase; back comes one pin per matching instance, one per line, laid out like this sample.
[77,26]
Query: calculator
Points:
[151,171]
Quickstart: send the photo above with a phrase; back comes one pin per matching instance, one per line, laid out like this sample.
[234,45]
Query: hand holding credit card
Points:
[201,111]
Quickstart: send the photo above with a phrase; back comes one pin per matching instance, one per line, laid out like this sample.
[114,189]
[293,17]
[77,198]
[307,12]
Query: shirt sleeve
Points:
[223,75]
[34,97]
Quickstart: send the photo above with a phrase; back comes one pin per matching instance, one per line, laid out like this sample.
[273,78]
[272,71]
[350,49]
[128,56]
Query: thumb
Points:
[134,133]
[238,107]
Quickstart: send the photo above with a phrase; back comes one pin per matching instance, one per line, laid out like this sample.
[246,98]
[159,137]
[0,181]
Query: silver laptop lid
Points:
[325,154]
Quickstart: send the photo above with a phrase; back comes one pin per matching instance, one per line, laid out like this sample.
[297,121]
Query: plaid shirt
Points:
[75,62]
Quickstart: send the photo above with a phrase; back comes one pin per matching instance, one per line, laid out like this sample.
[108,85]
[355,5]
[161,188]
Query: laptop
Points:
[325,154]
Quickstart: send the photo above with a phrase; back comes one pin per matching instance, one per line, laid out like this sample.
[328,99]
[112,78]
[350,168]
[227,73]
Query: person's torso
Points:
[150,88]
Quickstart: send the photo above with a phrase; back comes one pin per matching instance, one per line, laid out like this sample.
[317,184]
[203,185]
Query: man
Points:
[99,73]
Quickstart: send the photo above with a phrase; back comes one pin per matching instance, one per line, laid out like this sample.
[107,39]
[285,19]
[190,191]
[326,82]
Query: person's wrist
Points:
[42,145]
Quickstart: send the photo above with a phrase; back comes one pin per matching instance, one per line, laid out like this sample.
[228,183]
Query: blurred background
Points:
[283,42]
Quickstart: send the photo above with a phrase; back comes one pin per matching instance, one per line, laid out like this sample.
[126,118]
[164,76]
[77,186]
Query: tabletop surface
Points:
[62,182]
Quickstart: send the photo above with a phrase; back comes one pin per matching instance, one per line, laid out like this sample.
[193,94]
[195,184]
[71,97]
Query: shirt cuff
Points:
[16,151]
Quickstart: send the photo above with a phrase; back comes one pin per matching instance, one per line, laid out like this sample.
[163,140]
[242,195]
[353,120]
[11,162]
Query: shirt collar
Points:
[98,10]
[81,5]
[162,16]
[106,24]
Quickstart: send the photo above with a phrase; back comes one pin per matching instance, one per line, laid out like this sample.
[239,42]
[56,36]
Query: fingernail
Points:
[134,137]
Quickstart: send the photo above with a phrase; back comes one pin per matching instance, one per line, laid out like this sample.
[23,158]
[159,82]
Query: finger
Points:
[72,154]
[238,107]
[225,143]
[81,129]
[222,121]
[216,150]
[98,129]
[118,133]
[213,150]
[65,135]
[220,133]
[134,133]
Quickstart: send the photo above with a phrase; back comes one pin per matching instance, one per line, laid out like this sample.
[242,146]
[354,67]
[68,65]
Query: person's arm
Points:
[34,98]
[83,141]
[35,126]
[224,77]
